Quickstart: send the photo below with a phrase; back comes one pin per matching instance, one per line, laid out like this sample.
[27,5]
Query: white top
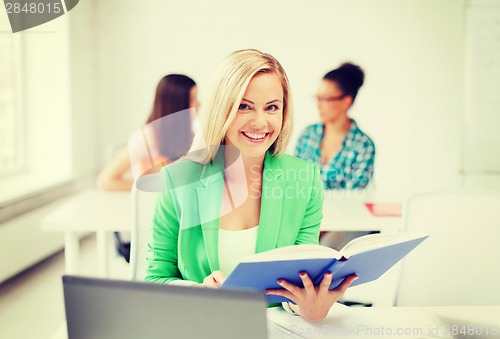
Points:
[234,246]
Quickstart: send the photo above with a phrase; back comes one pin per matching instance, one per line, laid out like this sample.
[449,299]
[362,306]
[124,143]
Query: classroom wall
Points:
[84,113]
[412,52]
[481,141]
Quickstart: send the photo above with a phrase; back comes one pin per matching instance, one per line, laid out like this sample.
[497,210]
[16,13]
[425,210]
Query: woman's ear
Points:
[348,101]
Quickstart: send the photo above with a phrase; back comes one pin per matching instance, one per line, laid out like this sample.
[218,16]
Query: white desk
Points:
[90,211]
[396,322]
[384,322]
[106,212]
[345,211]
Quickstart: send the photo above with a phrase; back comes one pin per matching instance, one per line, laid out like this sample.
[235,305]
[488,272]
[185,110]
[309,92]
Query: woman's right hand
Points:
[214,280]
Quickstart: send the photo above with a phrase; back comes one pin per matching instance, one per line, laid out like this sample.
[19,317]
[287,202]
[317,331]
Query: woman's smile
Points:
[255,137]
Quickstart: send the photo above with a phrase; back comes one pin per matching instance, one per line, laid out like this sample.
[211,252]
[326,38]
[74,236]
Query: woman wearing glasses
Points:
[344,154]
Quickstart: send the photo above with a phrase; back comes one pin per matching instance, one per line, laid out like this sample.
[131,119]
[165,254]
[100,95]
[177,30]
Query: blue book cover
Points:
[368,257]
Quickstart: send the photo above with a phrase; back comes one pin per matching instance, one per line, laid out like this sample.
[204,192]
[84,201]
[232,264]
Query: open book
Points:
[368,256]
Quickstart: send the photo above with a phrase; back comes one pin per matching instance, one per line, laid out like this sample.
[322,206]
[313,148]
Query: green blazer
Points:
[184,242]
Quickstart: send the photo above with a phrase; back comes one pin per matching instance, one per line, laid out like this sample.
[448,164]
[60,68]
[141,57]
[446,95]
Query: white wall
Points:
[23,244]
[482,83]
[412,52]
[84,122]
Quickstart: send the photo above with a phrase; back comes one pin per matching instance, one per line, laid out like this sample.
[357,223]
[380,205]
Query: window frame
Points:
[18,110]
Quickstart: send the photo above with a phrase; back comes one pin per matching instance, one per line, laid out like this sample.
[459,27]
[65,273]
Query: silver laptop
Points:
[112,309]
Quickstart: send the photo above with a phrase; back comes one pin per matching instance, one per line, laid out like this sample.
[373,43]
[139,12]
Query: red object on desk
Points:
[384,210]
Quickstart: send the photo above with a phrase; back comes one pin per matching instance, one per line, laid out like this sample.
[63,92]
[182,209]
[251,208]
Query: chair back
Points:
[459,263]
[143,206]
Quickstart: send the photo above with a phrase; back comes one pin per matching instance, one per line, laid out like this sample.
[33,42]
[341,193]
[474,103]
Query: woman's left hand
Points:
[312,302]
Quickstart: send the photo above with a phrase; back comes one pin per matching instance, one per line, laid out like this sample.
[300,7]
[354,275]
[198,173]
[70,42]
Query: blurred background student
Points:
[344,154]
[169,138]
[174,93]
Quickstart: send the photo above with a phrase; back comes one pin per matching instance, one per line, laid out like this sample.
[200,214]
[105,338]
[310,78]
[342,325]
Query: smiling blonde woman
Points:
[240,196]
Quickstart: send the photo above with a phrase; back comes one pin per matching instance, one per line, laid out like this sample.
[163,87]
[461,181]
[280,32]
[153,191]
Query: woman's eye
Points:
[244,107]
[272,108]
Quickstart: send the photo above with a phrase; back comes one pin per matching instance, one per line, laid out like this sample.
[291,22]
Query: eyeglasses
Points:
[329,99]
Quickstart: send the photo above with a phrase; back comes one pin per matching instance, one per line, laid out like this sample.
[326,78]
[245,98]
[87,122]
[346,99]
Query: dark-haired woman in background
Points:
[174,93]
[170,140]
[344,154]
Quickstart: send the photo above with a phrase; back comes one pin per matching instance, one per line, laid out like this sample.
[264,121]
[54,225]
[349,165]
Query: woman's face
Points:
[259,118]
[332,105]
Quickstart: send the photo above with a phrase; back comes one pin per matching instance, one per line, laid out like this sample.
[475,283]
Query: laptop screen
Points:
[99,308]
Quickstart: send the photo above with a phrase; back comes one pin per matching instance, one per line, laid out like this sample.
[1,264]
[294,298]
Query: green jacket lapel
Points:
[271,205]
[209,196]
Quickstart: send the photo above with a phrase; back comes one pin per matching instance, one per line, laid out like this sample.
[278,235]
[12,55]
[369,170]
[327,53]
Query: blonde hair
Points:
[220,108]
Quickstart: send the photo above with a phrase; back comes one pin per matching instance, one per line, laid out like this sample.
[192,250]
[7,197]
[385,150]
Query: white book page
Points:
[294,252]
[373,241]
